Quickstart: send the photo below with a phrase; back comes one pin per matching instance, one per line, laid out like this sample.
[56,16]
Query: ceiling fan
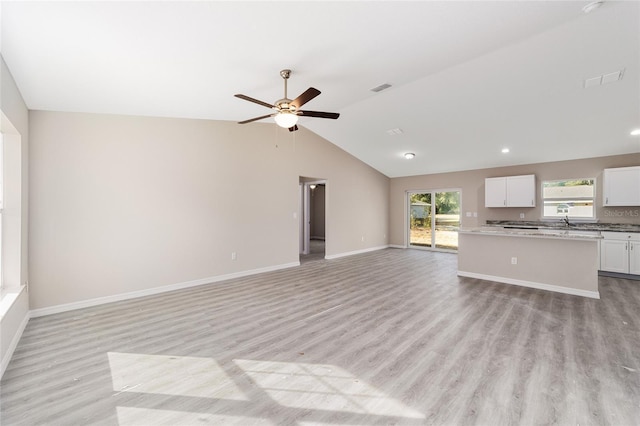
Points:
[287,110]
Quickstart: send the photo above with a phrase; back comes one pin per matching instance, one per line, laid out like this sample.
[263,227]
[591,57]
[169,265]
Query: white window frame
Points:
[569,199]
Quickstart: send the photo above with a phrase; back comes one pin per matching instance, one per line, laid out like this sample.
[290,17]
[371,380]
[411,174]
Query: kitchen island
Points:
[560,260]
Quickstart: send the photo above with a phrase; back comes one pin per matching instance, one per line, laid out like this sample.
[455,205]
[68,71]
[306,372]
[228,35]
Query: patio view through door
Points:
[434,219]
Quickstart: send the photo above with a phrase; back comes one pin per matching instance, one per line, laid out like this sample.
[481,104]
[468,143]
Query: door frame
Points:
[407,220]
[305,213]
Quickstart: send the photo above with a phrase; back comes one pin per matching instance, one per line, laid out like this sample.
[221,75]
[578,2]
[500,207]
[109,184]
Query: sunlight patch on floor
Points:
[287,387]
[322,387]
[171,375]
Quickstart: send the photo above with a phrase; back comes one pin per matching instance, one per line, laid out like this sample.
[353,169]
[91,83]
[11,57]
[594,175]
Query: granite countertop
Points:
[576,226]
[573,234]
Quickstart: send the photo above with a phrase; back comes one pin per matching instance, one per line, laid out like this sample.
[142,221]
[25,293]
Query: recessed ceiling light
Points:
[635,132]
[505,150]
[409,155]
[592,6]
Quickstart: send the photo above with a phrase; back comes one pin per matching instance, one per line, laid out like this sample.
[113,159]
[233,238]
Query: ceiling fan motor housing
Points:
[284,105]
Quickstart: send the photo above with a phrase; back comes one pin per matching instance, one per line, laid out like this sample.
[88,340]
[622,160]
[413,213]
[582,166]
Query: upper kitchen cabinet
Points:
[621,186]
[510,191]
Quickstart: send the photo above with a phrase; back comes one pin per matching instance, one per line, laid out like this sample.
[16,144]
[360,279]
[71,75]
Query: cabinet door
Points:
[495,192]
[521,191]
[614,256]
[621,186]
[634,258]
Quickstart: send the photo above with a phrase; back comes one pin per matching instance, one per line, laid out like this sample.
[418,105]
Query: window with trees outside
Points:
[573,198]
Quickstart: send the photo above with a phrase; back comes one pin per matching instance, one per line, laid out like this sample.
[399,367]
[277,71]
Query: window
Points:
[568,197]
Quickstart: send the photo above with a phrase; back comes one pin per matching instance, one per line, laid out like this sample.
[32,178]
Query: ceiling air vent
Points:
[396,131]
[380,88]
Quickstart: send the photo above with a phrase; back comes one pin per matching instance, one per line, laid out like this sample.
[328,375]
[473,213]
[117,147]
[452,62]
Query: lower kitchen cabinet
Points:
[620,252]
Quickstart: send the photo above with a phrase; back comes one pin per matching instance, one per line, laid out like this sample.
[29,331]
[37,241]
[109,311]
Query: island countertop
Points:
[533,233]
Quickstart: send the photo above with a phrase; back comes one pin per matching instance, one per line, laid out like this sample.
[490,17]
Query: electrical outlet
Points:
[521,215]
[234,256]
[514,260]
[362,238]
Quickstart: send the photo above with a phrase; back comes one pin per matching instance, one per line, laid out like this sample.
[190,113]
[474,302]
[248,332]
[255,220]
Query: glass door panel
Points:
[447,219]
[420,220]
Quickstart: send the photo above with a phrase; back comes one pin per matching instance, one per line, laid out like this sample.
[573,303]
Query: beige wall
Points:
[471,184]
[122,204]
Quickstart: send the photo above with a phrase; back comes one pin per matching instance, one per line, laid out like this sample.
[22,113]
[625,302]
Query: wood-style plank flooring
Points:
[388,337]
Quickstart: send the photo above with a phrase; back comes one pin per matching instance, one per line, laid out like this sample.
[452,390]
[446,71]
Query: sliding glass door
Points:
[420,220]
[434,219]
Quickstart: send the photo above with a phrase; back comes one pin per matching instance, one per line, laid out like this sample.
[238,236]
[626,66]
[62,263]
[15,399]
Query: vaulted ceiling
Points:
[467,78]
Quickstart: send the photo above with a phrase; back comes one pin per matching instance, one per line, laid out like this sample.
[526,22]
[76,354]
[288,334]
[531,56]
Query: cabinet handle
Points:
[606,201]
[504,203]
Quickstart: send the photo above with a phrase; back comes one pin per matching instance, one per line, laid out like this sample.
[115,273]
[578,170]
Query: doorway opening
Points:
[312,219]
[433,219]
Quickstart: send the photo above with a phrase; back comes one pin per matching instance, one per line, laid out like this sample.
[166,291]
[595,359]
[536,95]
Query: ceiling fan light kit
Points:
[287,110]
[286,119]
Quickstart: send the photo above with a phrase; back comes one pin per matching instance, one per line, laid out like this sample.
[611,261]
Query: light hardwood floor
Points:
[388,337]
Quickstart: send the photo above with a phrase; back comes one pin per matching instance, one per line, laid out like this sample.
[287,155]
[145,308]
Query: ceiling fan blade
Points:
[308,94]
[255,101]
[255,119]
[319,114]
[294,128]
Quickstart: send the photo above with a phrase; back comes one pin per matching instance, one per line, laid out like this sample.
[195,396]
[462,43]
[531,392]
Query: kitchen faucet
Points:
[566,220]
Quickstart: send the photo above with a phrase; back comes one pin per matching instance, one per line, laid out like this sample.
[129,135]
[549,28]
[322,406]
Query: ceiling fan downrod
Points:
[285,74]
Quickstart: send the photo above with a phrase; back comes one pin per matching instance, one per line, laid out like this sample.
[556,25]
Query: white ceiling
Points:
[469,78]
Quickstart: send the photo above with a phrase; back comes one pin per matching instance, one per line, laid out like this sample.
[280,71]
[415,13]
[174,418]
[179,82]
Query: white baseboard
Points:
[397,246]
[14,344]
[156,290]
[351,253]
[531,284]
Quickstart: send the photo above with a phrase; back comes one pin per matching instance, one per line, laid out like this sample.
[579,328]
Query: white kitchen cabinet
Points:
[510,191]
[634,257]
[620,252]
[495,192]
[621,186]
